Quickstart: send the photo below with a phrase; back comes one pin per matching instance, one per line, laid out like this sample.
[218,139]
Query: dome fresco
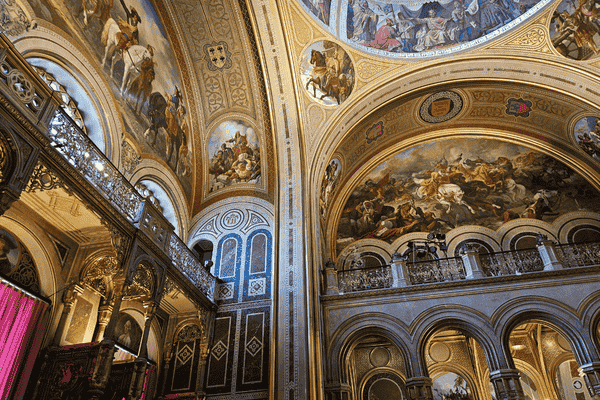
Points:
[439,186]
[415,29]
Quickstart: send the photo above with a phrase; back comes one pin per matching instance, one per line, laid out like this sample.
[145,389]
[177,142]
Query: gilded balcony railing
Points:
[35,100]
[355,280]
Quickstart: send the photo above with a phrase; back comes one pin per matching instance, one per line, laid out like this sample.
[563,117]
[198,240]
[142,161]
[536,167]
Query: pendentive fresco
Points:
[234,153]
[439,186]
[587,134]
[575,27]
[129,43]
[327,72]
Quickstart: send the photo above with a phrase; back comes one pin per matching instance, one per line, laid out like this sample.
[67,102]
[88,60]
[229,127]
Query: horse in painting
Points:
[132,57]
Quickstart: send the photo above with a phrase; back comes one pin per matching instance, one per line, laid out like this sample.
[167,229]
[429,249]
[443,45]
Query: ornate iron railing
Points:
[578,254]
[355,280]
[511,262]
[439,270]
[70,141]
[185,262]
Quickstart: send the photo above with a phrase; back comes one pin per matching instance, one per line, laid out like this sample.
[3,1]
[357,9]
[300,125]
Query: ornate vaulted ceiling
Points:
[220,89]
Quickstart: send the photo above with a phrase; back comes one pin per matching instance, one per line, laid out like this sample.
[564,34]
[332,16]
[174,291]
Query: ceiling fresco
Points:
[439,186]
[135,57]
[416,29]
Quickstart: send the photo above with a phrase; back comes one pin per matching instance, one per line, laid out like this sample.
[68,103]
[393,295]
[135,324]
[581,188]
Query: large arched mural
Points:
[439,186]
[128,42]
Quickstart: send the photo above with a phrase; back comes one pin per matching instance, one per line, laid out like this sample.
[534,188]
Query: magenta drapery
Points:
[23,320]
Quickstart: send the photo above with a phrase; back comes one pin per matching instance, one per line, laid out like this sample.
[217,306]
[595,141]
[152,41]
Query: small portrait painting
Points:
[128,333]
[327,72]
[234,155]
[9,252]
[587,135]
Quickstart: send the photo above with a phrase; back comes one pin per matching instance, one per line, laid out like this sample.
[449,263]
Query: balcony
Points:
[471,265]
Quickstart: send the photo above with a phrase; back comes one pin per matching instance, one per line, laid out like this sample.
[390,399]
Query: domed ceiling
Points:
[417,29]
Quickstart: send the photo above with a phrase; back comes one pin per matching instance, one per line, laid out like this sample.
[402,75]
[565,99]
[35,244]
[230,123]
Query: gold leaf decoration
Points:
[366,70]
[535,37]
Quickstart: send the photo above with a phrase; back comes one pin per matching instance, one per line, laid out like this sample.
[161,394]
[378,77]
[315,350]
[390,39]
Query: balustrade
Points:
[29,92]
[578,254]
[354,280]
[437,270]
[511,262]
[471,265]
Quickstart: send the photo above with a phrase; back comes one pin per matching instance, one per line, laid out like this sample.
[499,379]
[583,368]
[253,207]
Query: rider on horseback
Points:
[129,35]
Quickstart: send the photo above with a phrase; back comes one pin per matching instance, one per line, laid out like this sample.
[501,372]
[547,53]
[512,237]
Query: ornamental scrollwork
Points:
[42,179]
[5,158]
[142,286]
[131,158]
[190,333]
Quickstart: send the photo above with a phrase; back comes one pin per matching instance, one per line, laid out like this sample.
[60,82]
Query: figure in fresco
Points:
[406,195]
[236,156]
[405,33]
[463,22]
[433,31]
[364,21]
[319,8]
[6,246]
[101,10]
[328,185]
[332,73]
[575,27]
[587,134]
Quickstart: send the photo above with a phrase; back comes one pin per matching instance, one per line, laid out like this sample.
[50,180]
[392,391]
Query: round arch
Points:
[347,336]
[548,312]
[465,320]
[52,44]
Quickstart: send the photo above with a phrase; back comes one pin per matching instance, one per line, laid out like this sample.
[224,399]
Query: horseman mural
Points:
[443,185]
[327,72]
[131,47]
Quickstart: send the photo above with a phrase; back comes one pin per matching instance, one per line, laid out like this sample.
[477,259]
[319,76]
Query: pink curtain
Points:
[23,320]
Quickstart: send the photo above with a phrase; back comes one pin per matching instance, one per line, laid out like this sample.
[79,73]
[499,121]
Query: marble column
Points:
[104,314]
[507,384]
[419,388]
[591,374]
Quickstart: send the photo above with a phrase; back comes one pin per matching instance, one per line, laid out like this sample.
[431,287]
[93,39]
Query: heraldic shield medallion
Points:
[217,55]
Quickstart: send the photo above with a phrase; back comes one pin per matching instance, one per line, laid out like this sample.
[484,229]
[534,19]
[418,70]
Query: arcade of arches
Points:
[300,199]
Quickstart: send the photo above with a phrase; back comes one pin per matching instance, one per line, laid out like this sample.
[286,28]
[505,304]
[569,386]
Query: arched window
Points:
[160,199]
[204,250]
[77,102]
